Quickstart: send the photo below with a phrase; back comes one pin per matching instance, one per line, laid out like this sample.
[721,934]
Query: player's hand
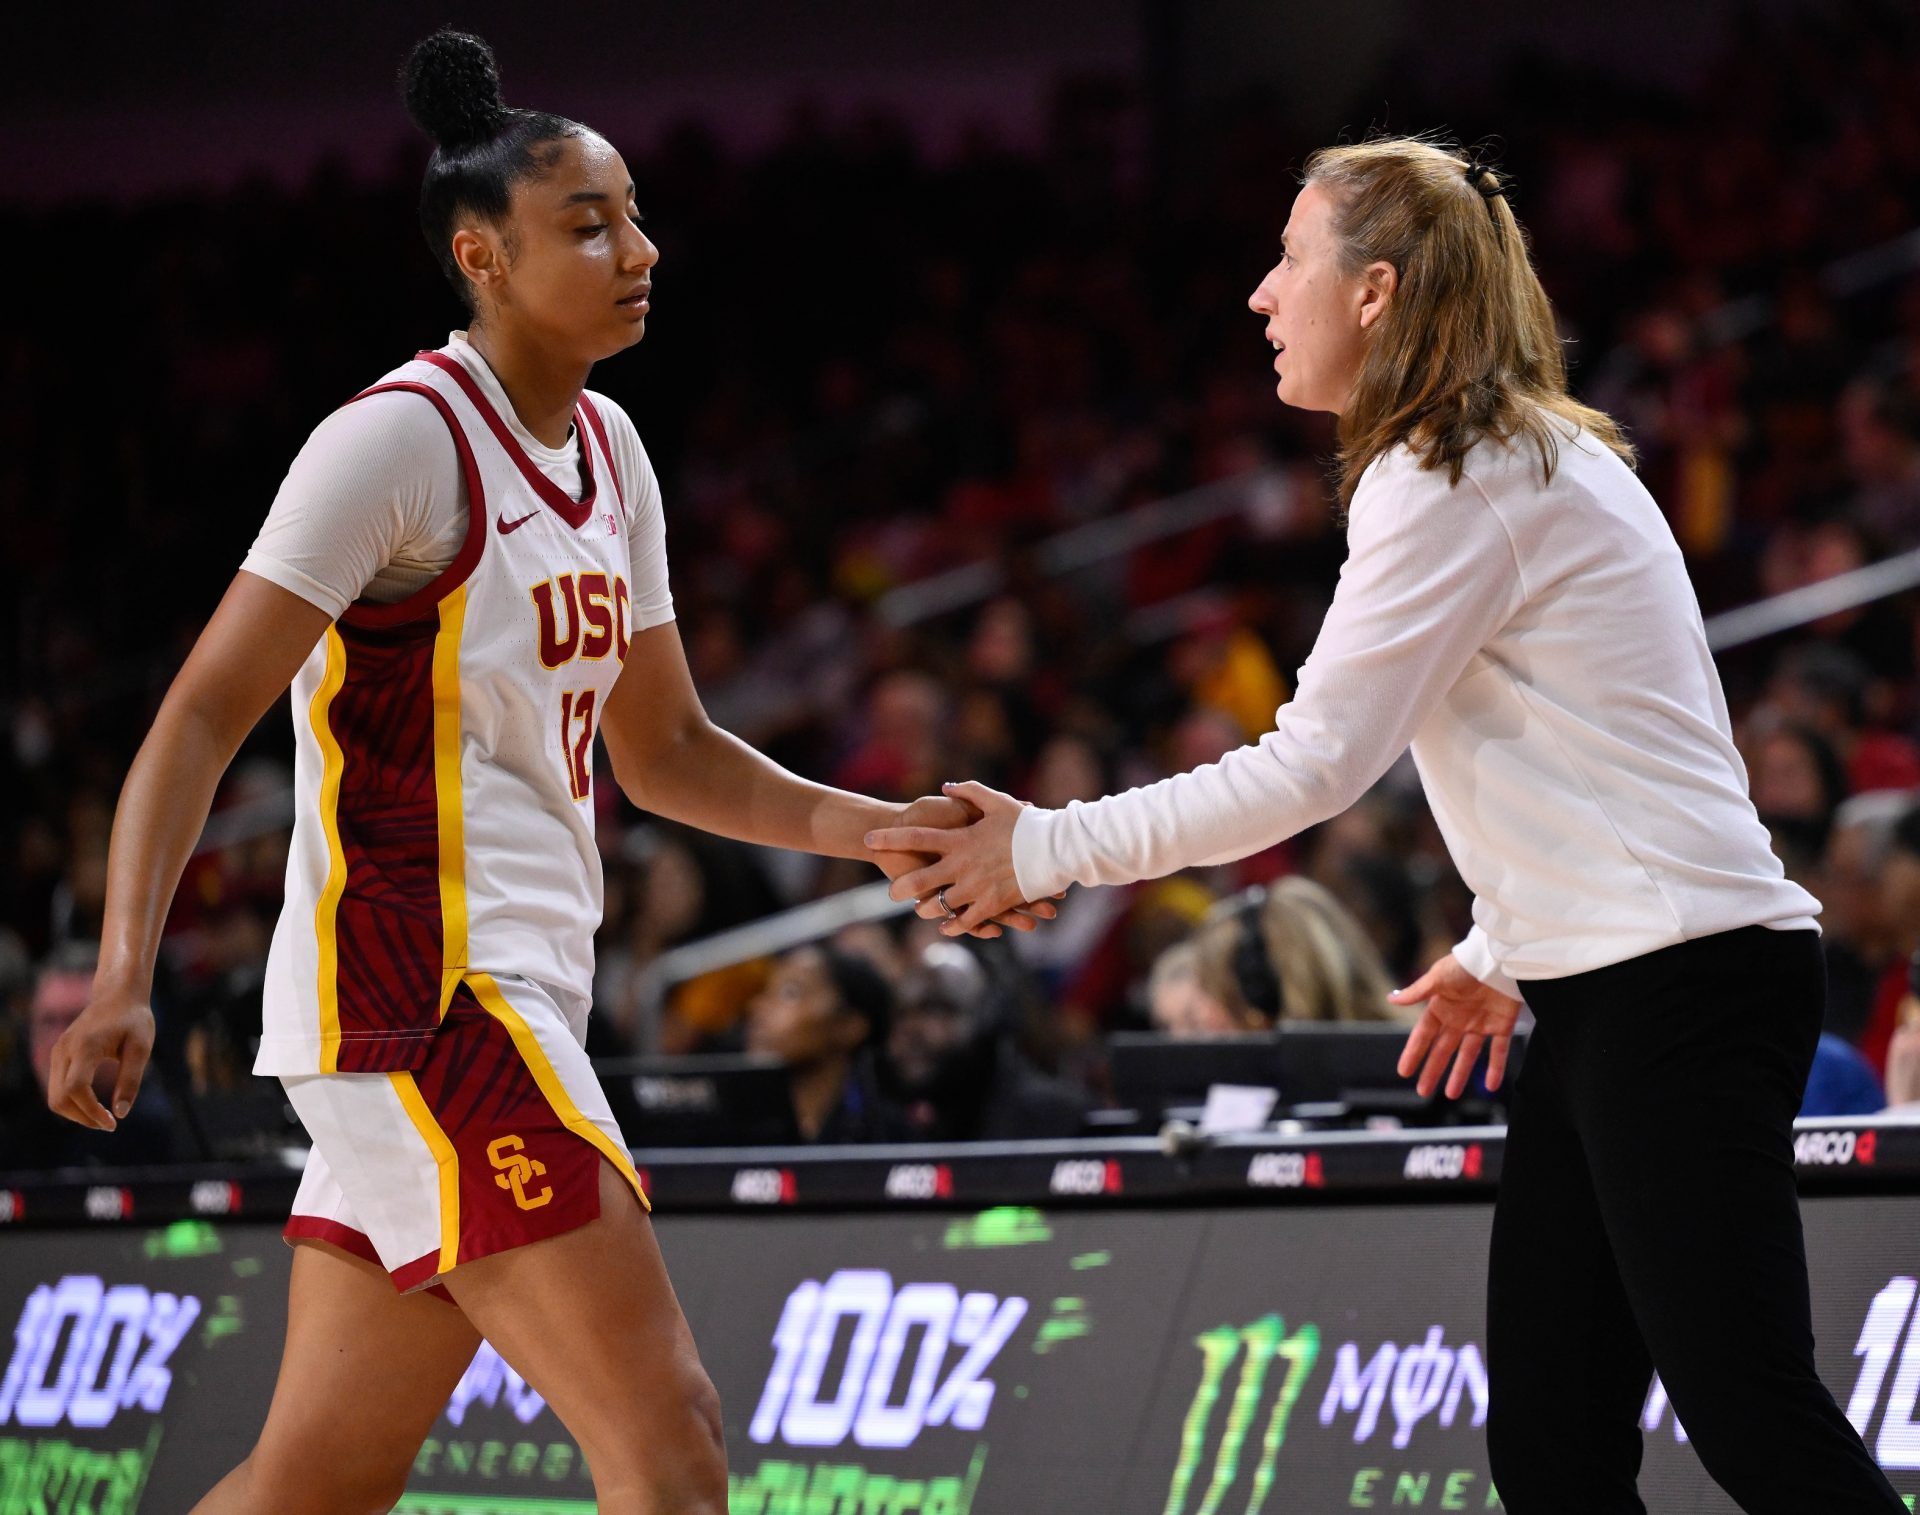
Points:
[934,812]
[117,1027]
[974,865]
[945,813]
[1462,1016]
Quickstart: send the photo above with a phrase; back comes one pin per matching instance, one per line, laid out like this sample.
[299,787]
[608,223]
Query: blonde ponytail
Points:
[1468,347]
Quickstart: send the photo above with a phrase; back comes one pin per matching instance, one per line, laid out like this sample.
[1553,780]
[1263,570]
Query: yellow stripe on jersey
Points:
[444,1158]
[544,1074]
[450,795]
[327,909]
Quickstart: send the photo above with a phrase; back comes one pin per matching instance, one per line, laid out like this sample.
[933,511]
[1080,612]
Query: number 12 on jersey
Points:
[576,749]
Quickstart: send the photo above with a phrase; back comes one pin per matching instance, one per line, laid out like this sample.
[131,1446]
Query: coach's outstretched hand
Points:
[115,1027]
[1462,1016]
[941,816]
[973,865]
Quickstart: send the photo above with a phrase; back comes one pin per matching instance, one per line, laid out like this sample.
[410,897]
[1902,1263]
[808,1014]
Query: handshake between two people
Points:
[952,854]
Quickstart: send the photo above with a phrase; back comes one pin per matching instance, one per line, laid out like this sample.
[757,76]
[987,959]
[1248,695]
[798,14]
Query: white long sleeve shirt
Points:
[1541,649]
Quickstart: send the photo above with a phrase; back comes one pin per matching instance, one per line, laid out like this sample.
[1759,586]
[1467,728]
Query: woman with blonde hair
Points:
[1515,608]
[1288,951]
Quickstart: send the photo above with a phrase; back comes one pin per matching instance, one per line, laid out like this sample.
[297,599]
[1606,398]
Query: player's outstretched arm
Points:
[240,665]
[671,760]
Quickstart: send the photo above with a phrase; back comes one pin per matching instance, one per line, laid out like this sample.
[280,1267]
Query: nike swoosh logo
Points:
[507,526]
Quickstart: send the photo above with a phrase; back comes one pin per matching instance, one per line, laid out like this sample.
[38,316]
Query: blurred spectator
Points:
[1827,545]
[1229,670]
[1286,952]
[1822,687]
[825,1013]
[1178,1003]
[1900,898]
[36,1138]
[1840,1082]
[899,757]
[956,1069]
[1068,768]
[1797,783]
[1903,1048]
[1880,440]
[222,1014]
[1863,948]
[1138,924]
[669,885]
[1829,689]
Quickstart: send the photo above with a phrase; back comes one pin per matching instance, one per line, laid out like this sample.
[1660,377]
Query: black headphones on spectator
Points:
[1254,973]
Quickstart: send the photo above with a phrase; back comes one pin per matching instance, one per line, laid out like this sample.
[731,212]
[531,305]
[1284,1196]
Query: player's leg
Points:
[1689,1085]
[1566,1366]
[365,1372]
[590,1320]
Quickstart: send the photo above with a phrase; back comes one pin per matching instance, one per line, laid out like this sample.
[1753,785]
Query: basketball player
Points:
[464,579]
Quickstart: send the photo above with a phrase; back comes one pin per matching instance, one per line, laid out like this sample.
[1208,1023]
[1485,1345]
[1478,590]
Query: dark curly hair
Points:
[482,146]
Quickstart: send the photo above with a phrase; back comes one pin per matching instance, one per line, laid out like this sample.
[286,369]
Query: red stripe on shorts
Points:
[320,1228]
[523,1175]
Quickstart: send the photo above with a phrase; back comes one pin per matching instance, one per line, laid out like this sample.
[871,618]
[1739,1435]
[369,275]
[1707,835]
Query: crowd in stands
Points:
[866,368]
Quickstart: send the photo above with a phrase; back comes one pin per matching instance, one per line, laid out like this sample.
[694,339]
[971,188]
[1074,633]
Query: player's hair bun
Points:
[484,147]
[453,89]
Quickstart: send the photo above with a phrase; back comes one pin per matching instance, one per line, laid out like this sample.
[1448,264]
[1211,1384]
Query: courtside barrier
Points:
[1258,1326]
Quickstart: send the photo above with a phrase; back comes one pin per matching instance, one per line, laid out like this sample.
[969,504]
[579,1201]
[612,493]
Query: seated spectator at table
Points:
[33,1138]
[1863,948]
[1176,999]
[825,1012]
[956,1069]
[1841,1082]
[1286,952]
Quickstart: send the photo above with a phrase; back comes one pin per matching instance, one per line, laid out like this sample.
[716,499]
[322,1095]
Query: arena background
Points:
[972,469]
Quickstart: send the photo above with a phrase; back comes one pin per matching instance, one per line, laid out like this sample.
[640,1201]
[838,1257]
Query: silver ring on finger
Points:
[940,894]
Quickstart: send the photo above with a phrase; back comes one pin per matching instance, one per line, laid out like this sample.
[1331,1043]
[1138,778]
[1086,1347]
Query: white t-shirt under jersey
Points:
[374,507]
[1541,649]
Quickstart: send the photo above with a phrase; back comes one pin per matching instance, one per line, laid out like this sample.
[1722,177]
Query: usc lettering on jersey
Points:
[443,771]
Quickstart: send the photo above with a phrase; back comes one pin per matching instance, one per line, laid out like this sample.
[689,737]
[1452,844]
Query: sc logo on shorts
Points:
[517,1170]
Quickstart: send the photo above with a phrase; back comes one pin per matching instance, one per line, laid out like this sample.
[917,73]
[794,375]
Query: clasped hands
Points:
[952,854]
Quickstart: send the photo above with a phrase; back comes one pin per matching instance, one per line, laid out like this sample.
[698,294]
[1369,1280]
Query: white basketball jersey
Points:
[443,773]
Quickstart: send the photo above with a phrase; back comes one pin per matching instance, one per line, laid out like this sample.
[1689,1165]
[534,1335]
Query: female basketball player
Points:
[1514,606]
[463,578]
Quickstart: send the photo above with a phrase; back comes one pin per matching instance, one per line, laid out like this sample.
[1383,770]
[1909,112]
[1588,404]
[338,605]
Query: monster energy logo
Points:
[1254,1347]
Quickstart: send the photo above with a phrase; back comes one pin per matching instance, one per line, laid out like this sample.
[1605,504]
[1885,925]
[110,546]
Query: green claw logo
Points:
[1254,1347]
